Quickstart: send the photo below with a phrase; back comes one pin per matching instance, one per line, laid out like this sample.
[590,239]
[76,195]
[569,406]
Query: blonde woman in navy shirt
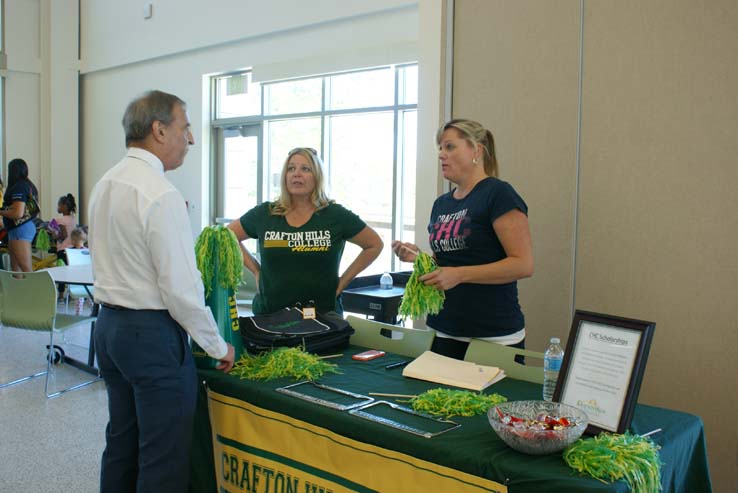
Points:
[480,238]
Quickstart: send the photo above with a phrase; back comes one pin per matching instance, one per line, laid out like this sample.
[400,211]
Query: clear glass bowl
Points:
[530,440]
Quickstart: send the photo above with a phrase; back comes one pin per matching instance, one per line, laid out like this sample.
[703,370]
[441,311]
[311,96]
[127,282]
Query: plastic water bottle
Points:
[385,282]
[552,359]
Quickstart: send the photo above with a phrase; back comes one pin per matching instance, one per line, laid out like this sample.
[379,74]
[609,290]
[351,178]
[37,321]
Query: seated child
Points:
[78,237]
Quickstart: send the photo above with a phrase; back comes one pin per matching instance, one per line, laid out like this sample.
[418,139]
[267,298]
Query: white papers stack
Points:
[433,367]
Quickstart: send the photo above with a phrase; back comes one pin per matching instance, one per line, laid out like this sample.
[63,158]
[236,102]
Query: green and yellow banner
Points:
[261,451]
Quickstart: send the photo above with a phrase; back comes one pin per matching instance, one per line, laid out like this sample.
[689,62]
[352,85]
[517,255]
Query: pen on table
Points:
[328,356]
[651,432]
[398,396]
[396,365]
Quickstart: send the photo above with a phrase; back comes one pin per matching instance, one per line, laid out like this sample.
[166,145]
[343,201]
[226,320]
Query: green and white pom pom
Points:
[449,403]
[283,362]
[218,245]
[420,299]
[612,457]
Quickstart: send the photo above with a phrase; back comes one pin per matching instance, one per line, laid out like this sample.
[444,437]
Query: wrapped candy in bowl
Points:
[537,427]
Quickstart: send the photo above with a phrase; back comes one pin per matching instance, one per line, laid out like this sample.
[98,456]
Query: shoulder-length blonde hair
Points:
[319,198]
[474,133]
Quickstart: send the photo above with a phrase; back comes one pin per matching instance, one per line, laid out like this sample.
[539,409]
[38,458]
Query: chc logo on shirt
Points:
[447,234]
[299,241]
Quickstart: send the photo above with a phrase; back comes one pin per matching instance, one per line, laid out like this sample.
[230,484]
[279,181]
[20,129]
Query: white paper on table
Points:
[433,367]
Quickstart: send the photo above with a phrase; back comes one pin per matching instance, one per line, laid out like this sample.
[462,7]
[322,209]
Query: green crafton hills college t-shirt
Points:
[299,264]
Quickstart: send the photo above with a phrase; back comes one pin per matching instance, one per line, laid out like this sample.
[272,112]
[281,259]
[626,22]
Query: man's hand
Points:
[226,363]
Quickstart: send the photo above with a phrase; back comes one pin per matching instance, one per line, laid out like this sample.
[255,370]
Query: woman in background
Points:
[301,237]
[3,233]
[481,241]
[21,207]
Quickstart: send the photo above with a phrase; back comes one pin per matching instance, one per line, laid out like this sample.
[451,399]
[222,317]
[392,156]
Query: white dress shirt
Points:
[143,255]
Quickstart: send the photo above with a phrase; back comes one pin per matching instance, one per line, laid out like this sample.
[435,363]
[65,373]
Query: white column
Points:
[435,18]
[59,154]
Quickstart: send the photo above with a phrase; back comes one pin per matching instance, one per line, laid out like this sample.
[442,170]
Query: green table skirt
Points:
[473,448]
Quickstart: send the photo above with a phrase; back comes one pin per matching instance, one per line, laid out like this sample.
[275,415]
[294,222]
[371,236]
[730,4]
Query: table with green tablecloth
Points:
[249,437]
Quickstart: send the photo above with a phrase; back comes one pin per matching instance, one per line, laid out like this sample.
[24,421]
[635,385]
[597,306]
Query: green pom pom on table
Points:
[283,362]
[612,457]
[449,403]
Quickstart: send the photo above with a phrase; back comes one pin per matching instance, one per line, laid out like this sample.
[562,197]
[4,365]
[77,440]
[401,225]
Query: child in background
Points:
[67,207]
[78,238]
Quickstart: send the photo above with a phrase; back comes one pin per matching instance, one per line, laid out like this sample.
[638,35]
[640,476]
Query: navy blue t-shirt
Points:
[461,234]
[21,191]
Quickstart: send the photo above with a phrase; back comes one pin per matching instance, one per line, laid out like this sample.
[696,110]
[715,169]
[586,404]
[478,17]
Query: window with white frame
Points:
[363,124]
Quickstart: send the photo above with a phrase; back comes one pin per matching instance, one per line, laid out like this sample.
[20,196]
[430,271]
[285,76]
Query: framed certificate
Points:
[603,368]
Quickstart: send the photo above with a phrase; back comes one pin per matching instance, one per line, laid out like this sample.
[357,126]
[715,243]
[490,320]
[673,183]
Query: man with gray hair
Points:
[151,298]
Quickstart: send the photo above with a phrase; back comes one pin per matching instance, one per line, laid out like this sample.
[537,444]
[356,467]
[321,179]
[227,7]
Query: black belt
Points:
[113,307]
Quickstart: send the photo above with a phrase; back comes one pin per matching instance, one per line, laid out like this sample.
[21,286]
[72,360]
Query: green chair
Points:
[492,354]
[247,290]
[28,302]
[411,342]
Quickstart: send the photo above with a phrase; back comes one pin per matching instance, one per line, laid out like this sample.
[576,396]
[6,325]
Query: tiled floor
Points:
[48,444]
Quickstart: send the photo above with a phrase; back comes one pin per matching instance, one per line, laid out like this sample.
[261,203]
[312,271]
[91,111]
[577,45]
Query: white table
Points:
[73,274]
[80,275]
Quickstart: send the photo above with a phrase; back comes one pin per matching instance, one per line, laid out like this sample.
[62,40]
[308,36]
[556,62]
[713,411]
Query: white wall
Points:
[22,90]
[370,35]
[114,33]
[41,95]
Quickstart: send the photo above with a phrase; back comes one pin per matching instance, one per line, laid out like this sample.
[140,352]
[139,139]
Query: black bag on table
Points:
[288,328]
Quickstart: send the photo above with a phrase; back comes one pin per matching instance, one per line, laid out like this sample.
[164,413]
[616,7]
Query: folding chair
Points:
[490,353]
[28,302]
[412,342]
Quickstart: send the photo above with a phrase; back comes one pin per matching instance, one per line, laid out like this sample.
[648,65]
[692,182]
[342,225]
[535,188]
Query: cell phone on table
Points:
[368,355]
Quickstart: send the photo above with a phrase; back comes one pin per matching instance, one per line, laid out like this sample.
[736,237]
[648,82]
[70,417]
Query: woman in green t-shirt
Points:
[301,237]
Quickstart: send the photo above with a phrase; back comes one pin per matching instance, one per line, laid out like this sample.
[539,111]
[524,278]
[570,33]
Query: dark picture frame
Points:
[603,367]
